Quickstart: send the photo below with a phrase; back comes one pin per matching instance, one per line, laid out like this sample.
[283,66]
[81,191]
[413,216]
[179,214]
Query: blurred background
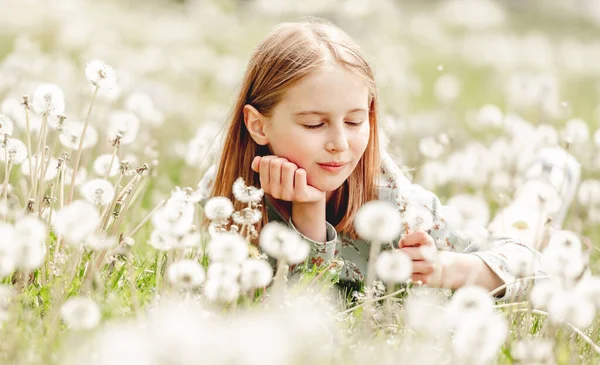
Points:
[470,89]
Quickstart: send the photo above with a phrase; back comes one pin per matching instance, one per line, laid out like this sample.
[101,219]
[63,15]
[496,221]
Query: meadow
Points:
[112,112]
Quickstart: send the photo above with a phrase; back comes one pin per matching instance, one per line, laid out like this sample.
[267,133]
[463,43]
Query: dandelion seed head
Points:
[470,301]
[246,194]
[255,274]
[533,351]
[248,216]
[100,241]
[378,221]
[51,171]
[218,208]
[71,135]
[6,126]
[102,163]
[98,191]
[162,240]
[48,99]
[124,123]
[76,221]
[100,74]
[573,308]
[223,271]
[16,150]
[282,243]
[186,274]
[176,216]
[393,266]
[221,291]
[80,313]
[228,247]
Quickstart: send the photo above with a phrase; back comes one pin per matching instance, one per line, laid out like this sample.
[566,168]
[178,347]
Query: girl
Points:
[305,129]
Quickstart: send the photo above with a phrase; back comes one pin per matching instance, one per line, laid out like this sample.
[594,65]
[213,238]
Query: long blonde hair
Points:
[289,53]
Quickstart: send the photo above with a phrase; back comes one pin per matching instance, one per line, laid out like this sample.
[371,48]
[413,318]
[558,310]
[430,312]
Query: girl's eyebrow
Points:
[316,112]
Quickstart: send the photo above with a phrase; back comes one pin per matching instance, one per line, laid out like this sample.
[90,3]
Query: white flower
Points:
[247,216]
[103,161]
[218,208]
[534,351]
[255,274]
[470,301]
[430,148]
[29,250]
[393,266]
[186,274]
[100,241]
[80,313]
[142,105]
[76,221]
[378,221]
[162,240]
[447,88]
[48,99]
[282,243]
[6,126]
[100,74]
[190,240]
[563,257]
[71,136]
[51,171]
[246,194]
[124,123]
[98,191]
[221,291]
[490,115]
[223,271]
[176,216]
[576,130]
[228,247]
[17,151]
[572,307]
[7,249]
[542,292]
[477,340]
[7,292]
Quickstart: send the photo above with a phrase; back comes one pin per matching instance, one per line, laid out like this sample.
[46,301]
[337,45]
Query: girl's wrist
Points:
[456,269]
[309,219]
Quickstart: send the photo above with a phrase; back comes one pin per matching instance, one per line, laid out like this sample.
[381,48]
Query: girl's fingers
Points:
[424,279]
[275,175]
[299,182]
[416,238]
[287,180]
[414,253]
[422,267]
[256,163]
[264,174]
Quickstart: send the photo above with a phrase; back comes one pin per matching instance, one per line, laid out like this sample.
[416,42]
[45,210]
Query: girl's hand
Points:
[284,180]
[420,247]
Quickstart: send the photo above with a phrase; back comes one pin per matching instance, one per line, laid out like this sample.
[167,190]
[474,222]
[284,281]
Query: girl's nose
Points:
[337,140]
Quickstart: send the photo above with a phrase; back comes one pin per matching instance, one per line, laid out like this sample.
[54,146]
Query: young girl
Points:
[305,129]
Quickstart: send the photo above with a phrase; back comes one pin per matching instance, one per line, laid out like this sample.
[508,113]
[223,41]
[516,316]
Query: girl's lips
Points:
[332,167]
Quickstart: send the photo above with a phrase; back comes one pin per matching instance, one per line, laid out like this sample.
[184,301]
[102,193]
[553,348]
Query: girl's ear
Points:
[255,123]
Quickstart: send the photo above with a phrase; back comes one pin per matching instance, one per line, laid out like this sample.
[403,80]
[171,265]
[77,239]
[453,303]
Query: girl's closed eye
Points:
[350,123]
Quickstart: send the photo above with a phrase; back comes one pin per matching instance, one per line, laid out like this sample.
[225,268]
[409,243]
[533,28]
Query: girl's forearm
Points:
[460,269]
[309,219]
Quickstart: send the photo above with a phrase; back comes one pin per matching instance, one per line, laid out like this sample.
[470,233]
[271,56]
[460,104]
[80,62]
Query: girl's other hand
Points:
[419,246]
[284,180]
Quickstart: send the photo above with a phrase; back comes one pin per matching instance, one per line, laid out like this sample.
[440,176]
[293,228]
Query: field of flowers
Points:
[112,111]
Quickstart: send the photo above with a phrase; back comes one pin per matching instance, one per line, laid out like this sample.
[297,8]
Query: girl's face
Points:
[322,125]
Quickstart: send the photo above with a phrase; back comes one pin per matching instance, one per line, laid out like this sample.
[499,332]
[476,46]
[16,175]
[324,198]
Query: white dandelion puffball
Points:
[71,136]
[217,208]
[100,241]
[162,240]
[256,273]
[79,179]
[378,221]
[16,151]
[223,271]
[51,171]
[572,307]
[247,216]
[469,301]
[221,291]
[31,228]
[102,163]
[477,340]
[98,191]
[100,74]
[228,247]
[48,99]
[282,243]
[29,249]
[176,216]
[80,313]
[76,222]
[186,274]
[126,124]
[393,267]
[6,126]
[246,194]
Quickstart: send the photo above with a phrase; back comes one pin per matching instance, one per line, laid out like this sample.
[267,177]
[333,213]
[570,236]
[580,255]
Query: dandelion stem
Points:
[373,254]
[38,153]
[112,160]
[370,301]
[7,168]
[28,135]
[78,155]
[146,218]
[132,284]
